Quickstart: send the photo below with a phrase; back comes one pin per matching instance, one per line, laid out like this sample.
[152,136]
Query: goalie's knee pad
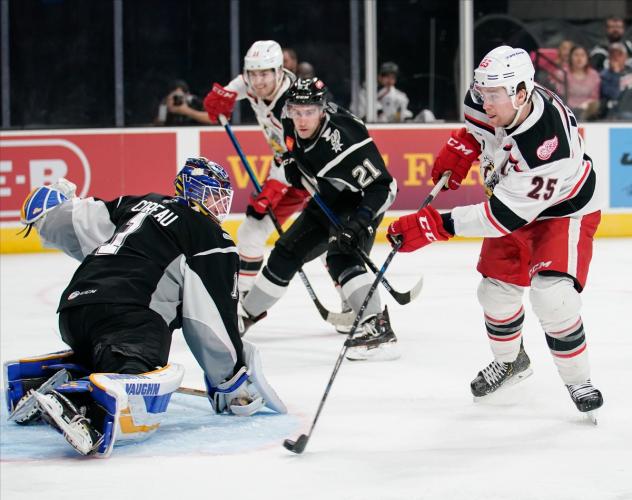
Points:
[39,373]
[555,301]
[246,392]
[130,407]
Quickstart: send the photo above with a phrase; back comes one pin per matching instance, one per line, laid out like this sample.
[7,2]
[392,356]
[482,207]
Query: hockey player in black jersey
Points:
[331,149]
[150,264]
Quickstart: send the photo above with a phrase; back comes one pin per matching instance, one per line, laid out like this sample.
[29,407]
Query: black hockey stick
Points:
[299,445]
[400,297]
[337,319]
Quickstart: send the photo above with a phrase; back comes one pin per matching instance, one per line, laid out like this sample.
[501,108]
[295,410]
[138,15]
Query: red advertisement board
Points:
[103,165]
[408,153]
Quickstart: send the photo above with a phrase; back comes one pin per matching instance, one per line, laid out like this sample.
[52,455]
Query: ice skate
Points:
[374,340]
[63,416]
[587,398]
[28,410]
[497,375]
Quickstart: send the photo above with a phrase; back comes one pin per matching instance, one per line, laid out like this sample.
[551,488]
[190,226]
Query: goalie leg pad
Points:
[134,405]
[26,374]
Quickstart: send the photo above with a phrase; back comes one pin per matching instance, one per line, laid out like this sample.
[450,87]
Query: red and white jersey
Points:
[535,171]
[268,113]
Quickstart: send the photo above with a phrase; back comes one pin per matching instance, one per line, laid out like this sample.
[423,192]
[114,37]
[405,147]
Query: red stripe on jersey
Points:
[579,184]
[480,123]
[250,259]
[248,273]
[506,320]
[491,218]
[572,354]
[504,339]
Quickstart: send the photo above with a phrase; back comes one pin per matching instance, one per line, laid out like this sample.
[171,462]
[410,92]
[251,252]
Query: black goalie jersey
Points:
[154,252]
[343,163]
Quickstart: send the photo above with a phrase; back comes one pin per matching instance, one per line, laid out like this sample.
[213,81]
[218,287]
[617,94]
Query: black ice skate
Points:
[497,375]
[587,398]
[373,340]
[63,416]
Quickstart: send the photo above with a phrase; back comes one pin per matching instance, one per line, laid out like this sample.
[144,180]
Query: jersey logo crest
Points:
[334,139]
[547,148]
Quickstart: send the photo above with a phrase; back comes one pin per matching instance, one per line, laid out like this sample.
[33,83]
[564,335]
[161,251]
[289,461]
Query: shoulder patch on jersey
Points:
[547,148]
[334,139]
[289,143]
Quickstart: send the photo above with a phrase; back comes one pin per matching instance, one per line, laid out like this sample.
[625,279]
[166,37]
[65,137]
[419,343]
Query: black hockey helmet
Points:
[307,91]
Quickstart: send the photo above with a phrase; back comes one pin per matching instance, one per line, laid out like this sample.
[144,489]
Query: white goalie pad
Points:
[255,370]
[135,404]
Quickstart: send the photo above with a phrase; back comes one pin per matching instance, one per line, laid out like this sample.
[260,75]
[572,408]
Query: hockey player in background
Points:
[263,82]
[331,149]
[150,264]
[538,224]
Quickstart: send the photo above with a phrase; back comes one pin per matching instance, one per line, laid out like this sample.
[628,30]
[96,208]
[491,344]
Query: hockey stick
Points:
[400,297]
[191,392]
[299,445]
[337,319]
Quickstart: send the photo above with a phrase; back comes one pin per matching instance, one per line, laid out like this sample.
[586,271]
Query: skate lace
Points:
[581,391]
[494,372]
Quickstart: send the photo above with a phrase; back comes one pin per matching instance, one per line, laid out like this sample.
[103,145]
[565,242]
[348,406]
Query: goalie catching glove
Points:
[418,230]
[42,200]
[219,101]
[246,392]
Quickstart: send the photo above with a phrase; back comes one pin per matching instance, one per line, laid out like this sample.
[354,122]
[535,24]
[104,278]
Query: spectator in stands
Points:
[180,107]
[305,70]
[290,59]
[615,30]
[616,81]
[582,85]
[392,103]
[564,53]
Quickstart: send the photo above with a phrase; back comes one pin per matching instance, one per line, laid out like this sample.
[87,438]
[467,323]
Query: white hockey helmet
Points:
[504,67]
[264,54]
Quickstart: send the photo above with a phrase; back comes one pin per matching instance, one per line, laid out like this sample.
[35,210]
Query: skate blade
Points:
[591,416]
[384,352]
[512,381]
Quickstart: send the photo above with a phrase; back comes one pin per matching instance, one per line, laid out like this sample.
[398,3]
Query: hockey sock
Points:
[505,335]
[267,290]
[355,291]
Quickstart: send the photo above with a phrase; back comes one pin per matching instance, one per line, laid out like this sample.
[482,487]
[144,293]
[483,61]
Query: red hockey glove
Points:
[270,196]
[457,155]
[219,101]
[418,230]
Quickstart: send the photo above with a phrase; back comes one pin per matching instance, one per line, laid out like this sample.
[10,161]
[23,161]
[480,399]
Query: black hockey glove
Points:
[292,173]
[355,230]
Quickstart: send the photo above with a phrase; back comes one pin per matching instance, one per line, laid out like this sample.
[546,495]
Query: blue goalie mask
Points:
[205,186]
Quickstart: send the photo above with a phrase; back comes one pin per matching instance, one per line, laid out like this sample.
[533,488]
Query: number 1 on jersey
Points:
[116,242]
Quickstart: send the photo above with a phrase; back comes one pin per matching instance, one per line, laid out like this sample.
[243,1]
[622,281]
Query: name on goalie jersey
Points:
[164,216]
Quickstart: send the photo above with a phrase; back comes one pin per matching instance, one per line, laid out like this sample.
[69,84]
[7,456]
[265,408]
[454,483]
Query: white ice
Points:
[405,429]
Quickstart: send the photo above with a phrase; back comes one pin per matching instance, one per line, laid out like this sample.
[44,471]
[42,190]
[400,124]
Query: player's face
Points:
[262,82]
[306,119]
[497,105]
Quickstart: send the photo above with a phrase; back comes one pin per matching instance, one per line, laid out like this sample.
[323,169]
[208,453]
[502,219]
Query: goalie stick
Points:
[298,446]
[337,319]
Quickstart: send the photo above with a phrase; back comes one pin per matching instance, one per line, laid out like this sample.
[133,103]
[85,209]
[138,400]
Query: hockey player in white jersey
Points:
[263,82]
[538,224]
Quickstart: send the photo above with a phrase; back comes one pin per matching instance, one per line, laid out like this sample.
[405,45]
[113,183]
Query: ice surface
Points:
[405,429]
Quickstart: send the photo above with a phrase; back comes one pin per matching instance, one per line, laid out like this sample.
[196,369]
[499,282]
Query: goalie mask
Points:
[504,67]
[263,55]
[205,186]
